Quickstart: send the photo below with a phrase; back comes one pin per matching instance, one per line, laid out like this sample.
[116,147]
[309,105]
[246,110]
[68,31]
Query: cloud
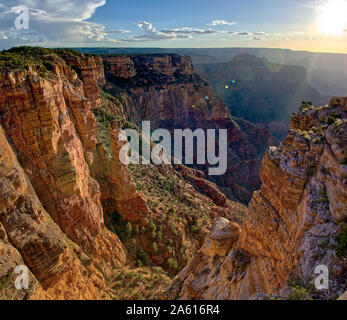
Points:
[257,38]
[65,23]
[153,34]
[117,31]
[51,21]
[243,33]
[187,30]
[221,23]
[260,33]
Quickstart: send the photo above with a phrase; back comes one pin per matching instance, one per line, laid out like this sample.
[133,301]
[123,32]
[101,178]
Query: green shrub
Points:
[323,200]
[173,229]
[306,106]
[331,119]
[299,293]
[128,230]
[132,275]
[155,247]
[323,192]
[241,261]
[307,136]
[175,265]
[4,281]
[121,276]
[154,235]
[324,243]
[133,242]
[152,225]
[309,172]
[172,264]
[341,248]
[141,255]
[325,171]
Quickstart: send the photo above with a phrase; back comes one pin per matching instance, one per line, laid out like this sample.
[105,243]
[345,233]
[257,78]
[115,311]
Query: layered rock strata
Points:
[292,223]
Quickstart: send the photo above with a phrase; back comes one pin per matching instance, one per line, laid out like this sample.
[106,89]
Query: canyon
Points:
[67,198]
[260,91]
[292,225]
[88,226]
[166,91]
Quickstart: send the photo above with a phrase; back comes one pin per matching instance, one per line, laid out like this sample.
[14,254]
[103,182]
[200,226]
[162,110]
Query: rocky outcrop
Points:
[45,120]
[292,222]
[165,90]
[206,275]
[119,192]
[29,237]
[49,123]
[164,87]
[344,296]
[90,70]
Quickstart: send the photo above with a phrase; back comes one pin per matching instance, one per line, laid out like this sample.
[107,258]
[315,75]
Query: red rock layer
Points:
[165,90]
[29,237]
[53,131]
[292,222]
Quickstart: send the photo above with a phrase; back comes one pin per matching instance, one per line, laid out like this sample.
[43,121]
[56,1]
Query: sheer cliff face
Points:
[53,131]
[291,223]
[163,87]
[165,90]
[28,236]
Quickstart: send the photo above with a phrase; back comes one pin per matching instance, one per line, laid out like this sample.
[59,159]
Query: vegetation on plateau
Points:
[39,59]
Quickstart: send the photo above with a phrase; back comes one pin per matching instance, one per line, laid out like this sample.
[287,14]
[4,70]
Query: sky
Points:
[310,25]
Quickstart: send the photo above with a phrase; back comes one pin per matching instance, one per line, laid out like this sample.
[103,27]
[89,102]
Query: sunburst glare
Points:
[332,17]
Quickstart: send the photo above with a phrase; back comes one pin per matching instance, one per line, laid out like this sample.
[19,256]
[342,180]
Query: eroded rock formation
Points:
[165,90]
[49,123]
[29,237]
[292,222]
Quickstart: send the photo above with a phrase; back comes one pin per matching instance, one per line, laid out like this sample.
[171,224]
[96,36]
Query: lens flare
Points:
[332,17]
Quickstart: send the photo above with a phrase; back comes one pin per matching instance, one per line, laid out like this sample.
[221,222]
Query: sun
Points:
[332,17]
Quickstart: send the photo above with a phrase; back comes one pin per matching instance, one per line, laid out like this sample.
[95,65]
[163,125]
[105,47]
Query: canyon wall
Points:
[49,123]
[60,185]
[28,237]
[292,223]
[165,90]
